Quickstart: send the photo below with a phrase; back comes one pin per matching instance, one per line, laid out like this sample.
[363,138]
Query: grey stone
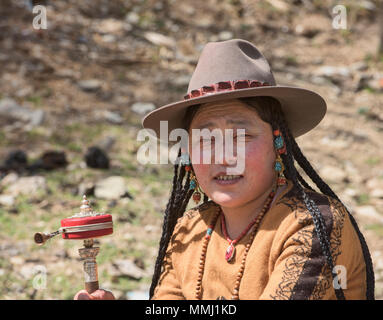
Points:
[113,117]
[126,268]
[225,35]
[377,193]
[331,71]
[159,39]
[181,81]
[369,212]
[7,200]
[113,187]
[90,85]
[369,5]
[37,118]
[334,174]
[143,107]
[359,66]
[27,185]
[28,271]
[11,109]
[132,17]
[86,188]
[9,179]
[107,143]
[373,183]
[108,26]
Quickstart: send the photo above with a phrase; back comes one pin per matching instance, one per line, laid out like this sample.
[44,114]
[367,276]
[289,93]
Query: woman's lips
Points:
[227,182]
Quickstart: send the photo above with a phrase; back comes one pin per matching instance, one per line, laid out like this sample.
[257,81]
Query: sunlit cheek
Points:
[259,158]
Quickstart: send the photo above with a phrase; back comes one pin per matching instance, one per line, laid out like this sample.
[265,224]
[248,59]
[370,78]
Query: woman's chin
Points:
[226,200]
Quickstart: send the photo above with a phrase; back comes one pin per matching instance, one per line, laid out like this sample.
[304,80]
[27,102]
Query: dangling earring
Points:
[281,149]
[194,185]
[279,168]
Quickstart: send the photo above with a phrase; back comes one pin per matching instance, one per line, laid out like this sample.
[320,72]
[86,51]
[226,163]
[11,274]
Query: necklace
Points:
[255,223]
[230,251]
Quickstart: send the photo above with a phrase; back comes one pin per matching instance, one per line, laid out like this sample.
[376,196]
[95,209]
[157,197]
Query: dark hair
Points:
[270,111]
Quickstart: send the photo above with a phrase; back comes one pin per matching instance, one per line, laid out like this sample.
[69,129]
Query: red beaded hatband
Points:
[225,86]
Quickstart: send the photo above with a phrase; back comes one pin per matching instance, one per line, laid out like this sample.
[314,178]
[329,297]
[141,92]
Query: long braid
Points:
[306,166]
[317,217]
[172,212]
[175,208]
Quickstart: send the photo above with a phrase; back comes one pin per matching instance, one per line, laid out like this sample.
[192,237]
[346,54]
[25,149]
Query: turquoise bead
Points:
[192,184]
[278,142]
[209,231]
[278,166]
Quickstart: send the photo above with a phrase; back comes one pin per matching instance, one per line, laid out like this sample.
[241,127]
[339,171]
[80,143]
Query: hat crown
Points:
[234,59]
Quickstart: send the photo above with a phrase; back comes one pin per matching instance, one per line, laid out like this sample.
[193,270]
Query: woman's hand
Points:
[99,294]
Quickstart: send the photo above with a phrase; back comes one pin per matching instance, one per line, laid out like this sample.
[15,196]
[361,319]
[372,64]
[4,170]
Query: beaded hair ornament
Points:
[280,147]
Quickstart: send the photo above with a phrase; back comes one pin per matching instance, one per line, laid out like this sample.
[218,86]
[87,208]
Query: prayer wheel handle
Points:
[85,226]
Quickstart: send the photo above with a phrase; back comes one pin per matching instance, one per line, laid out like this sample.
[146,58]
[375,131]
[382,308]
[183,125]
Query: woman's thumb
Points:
[82,295]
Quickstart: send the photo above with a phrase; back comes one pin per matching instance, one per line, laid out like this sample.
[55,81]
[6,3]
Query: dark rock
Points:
[139,262]
[62,254]
[112,203]
[13,211]
[50,160]
[95,157]
[16,160]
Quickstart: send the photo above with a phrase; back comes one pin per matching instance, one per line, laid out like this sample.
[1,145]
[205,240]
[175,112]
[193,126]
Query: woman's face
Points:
[254,163]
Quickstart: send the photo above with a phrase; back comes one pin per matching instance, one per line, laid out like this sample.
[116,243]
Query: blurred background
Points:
[73,93]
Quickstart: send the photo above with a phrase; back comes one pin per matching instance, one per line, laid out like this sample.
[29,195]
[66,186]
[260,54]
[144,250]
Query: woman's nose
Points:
[228,155]
[229,160]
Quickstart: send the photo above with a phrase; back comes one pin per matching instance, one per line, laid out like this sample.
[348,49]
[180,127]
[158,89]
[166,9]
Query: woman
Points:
[262,232]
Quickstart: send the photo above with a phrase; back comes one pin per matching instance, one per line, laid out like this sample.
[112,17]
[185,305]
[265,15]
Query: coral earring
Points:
[197,197]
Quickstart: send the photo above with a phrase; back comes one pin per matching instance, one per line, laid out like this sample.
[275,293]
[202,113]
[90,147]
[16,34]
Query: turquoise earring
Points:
[194,185]
[281,149]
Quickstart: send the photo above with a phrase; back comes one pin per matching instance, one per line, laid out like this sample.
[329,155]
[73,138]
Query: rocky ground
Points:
[72,98]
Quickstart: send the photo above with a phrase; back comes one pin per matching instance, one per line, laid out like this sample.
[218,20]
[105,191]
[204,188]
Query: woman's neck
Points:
[238,218]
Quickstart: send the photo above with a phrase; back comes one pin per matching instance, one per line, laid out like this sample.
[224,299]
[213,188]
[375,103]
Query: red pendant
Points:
[230,251]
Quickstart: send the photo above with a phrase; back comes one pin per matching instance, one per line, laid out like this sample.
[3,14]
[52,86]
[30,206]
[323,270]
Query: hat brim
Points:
[303,109]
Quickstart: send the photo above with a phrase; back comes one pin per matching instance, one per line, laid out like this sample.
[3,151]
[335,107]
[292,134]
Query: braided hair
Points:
[269,110]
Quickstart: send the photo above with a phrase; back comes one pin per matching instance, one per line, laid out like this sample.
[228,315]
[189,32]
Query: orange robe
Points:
[285,260]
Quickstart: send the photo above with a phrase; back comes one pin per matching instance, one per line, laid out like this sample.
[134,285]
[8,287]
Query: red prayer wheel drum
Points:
[77,228]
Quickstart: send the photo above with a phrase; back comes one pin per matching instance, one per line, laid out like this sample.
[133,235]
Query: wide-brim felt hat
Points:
[235,69]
